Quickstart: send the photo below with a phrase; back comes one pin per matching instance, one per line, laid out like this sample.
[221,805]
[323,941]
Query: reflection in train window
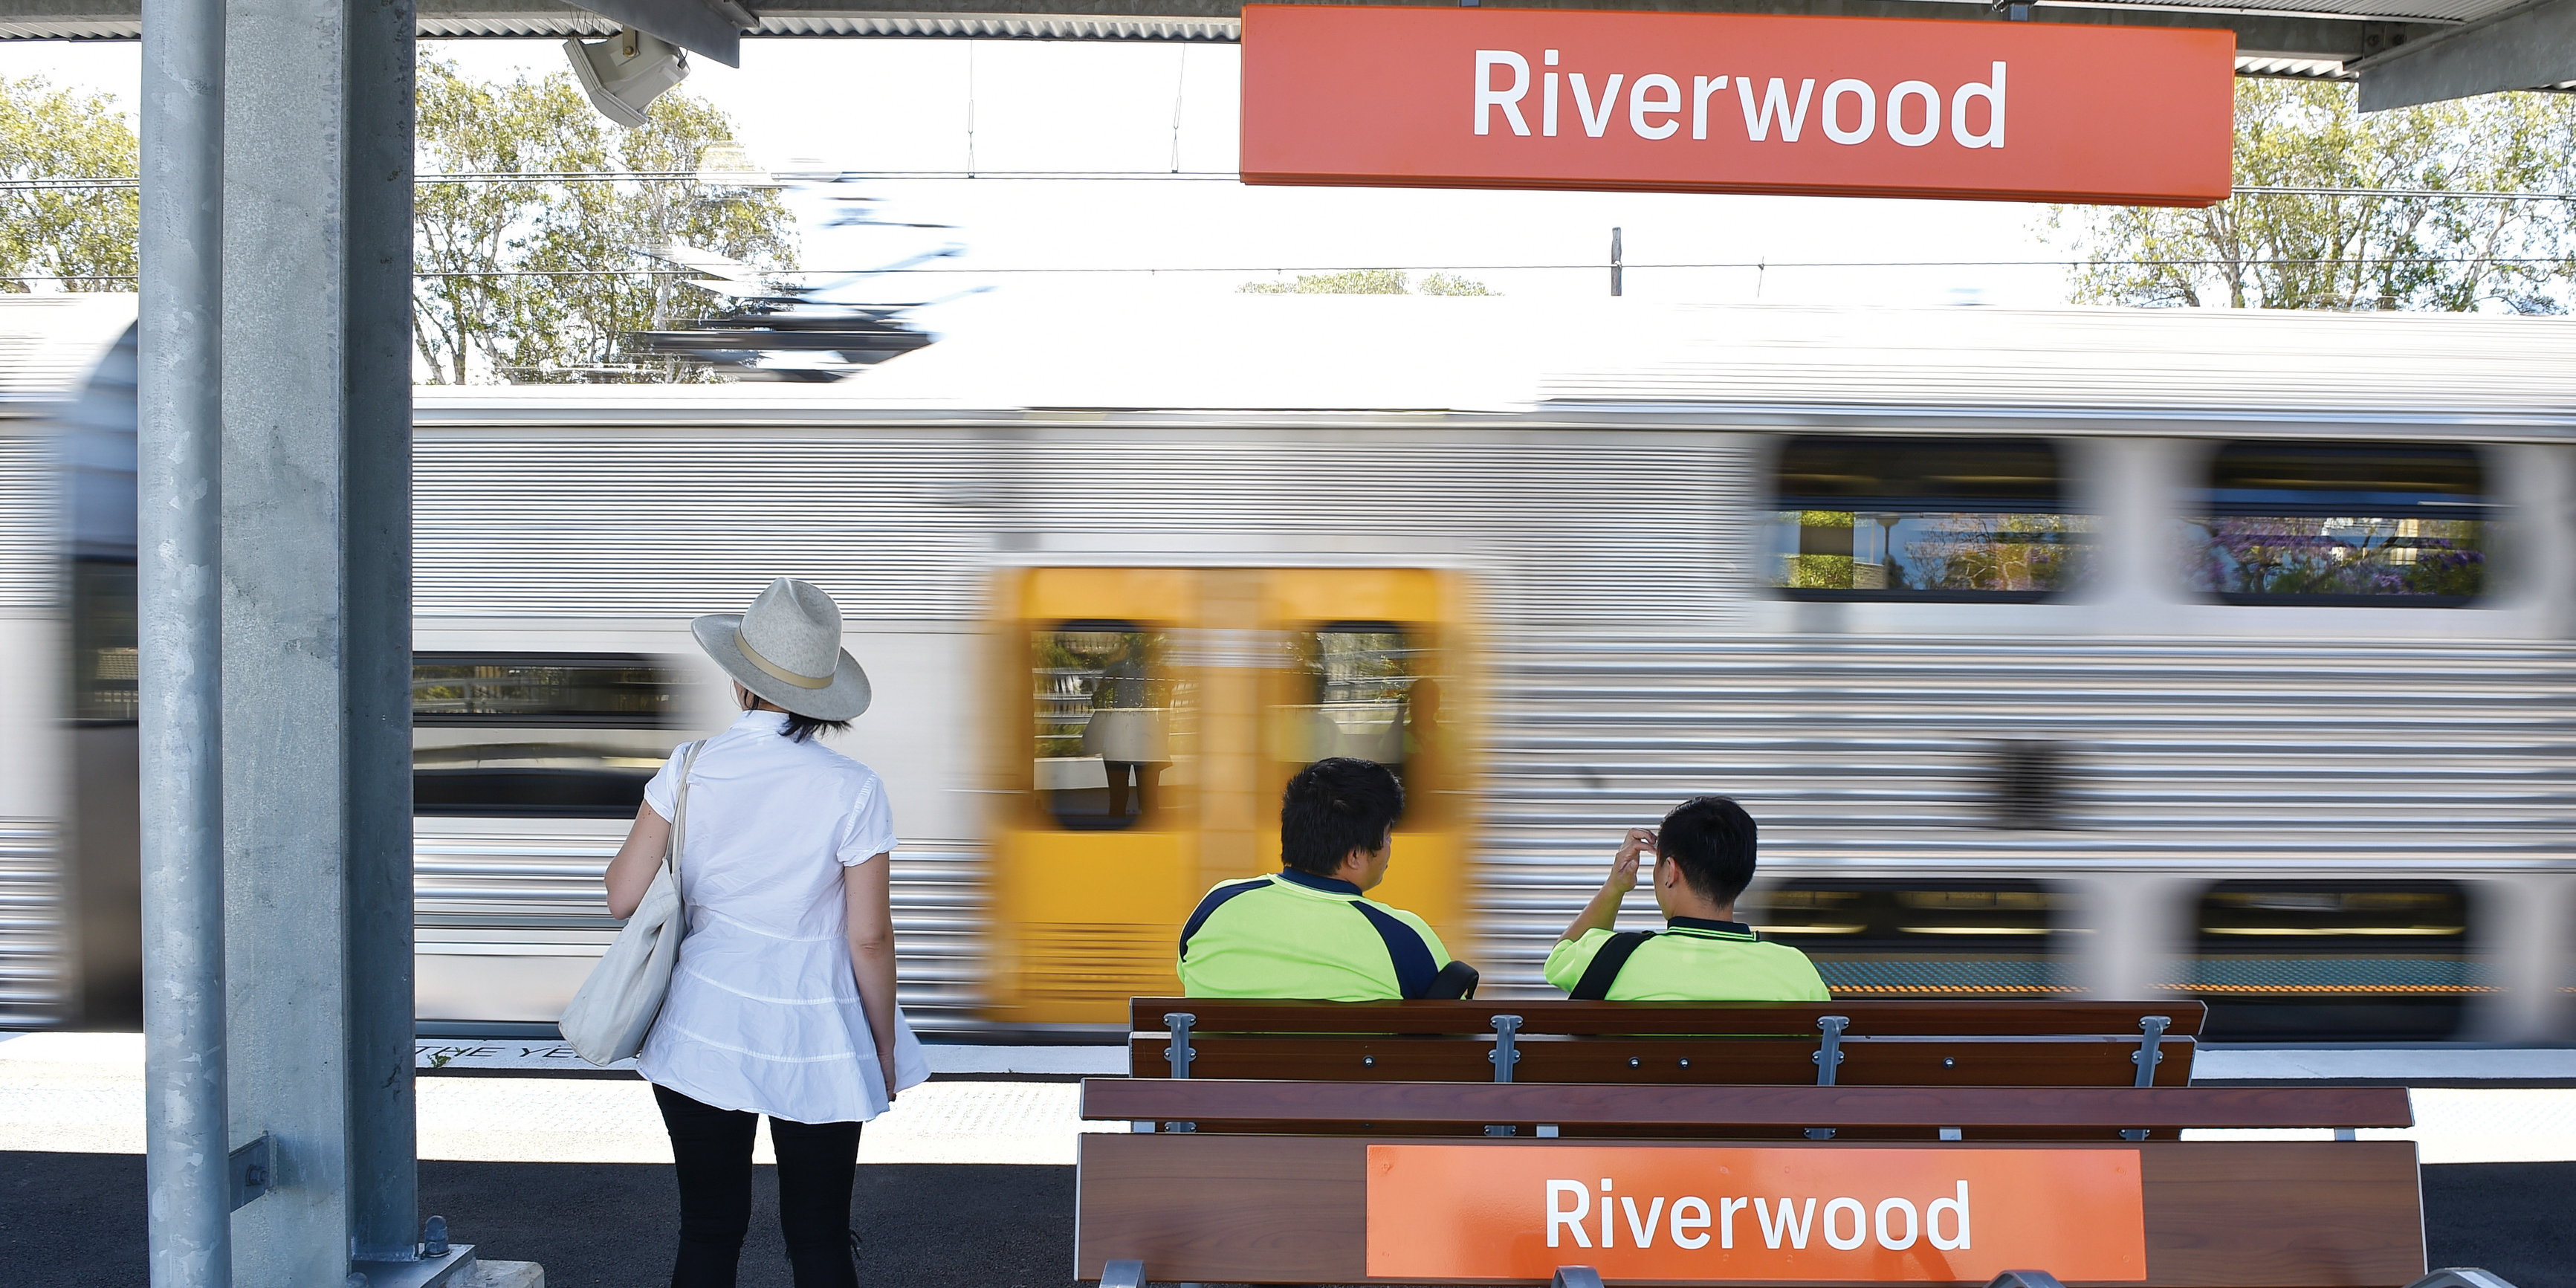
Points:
[1884,938]
[539,735]
[104,675]
[1924,519]
[1366,690]
[1113,725]
[2324,961]
[560,691]
[2341,524]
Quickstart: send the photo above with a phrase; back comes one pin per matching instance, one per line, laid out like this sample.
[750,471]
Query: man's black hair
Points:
[1711,838]
[1333,807]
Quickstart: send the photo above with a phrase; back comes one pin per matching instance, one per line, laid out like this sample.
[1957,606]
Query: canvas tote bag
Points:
[617,1005]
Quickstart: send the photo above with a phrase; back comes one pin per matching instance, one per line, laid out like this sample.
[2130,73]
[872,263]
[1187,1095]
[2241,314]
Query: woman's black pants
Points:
[817,1164]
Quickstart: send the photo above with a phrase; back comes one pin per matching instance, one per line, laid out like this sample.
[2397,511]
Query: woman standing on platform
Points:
[782,1002]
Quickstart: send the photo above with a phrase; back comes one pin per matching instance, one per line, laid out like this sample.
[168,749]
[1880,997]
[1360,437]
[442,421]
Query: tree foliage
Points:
[2348,252]
[81,238]
[1368,281]
[537,280]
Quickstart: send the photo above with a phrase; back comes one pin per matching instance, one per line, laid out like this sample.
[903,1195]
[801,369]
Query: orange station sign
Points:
[1532,98]
[1682,1214]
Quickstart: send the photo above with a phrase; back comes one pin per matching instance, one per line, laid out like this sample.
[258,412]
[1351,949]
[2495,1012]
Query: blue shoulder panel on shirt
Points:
[1414,969]
[1215,899]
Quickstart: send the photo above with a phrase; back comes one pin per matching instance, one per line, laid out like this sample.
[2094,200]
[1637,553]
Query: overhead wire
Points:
[721,179]
[1714,265]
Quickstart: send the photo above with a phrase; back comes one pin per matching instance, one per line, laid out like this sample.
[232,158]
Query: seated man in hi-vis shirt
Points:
[1305,931]
[1704,859]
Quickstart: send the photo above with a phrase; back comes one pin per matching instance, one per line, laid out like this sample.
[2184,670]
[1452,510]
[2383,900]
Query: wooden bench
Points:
[1324,1201]
[1306,1142]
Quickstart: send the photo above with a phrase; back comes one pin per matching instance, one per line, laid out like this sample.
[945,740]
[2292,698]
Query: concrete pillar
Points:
[179,462]
[316,532]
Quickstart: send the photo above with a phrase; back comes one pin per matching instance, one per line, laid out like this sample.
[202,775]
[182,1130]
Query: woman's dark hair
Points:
[1711,838]
[1333,807]
[799,728]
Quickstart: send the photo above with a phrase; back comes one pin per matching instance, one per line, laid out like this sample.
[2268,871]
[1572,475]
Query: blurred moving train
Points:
[2082,652]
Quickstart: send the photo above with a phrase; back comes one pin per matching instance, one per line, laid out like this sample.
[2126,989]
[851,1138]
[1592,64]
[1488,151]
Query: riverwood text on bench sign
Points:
[1682,1213]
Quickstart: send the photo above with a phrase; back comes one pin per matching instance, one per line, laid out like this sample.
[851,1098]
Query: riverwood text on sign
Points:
[1493,98]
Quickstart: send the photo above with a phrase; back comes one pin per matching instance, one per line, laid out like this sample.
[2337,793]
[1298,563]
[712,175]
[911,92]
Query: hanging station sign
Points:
[1532,98]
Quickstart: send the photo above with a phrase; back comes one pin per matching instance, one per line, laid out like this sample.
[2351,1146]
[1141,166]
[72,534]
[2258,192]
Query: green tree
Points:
[2302,251]
[538,280]
[82,238]
[1367,281]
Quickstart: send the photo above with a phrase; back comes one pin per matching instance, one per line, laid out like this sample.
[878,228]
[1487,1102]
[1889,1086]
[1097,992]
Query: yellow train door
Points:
[1147,720]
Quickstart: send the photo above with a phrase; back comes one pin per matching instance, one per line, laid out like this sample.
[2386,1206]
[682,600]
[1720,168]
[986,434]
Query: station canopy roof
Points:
[2402,51]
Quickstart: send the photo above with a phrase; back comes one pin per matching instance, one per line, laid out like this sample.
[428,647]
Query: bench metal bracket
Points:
[250,1167]
[1506,1052]
[1576,1277]
[1123,1274]
[2461,1277]
[1179,1051]
[1828,1058]
[2025,1279]
[1829,1052]
[2150,1053]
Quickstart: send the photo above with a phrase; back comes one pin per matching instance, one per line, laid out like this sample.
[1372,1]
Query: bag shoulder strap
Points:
[680,813]
[1606,965]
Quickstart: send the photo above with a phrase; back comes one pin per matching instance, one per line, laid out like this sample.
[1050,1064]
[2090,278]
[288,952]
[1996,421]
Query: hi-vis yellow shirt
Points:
[1291,934]
[1696,960]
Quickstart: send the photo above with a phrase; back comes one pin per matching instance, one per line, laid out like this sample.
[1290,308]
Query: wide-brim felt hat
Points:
[787,649]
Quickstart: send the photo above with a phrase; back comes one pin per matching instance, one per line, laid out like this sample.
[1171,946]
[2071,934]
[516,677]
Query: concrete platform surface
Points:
[76,1220]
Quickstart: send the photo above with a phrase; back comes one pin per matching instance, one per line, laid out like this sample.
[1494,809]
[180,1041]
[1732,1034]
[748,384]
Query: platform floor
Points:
[968,1180]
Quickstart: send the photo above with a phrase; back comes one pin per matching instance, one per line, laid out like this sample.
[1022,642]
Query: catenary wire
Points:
[756,179]
[1419,268]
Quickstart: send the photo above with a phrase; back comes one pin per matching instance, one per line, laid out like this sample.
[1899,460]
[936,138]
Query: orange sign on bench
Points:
[1533,98]
[1688,1213]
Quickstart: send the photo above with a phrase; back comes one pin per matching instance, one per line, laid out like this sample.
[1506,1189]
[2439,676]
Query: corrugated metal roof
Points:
[1627,361]
[49,344]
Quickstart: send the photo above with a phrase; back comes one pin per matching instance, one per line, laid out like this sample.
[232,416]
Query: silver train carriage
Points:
[2224,654]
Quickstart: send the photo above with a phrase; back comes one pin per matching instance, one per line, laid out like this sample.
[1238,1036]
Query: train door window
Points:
[1114,731]
[1924,519]
[2301,523]
[1882,938]
[544,735]
[2333,961]
[104,659]
[1364,690]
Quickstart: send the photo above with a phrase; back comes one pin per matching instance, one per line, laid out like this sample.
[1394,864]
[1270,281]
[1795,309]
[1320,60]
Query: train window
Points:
[1881,938]
[1368,690]
[2334,960]
[104,675]
[543,735]
[558,691]
[1113,725]
[2341,524]
[1924,519]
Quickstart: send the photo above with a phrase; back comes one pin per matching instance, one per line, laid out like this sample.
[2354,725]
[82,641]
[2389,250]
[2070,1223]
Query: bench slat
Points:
[2027,1061]
[1575,1104]
[1752,1019]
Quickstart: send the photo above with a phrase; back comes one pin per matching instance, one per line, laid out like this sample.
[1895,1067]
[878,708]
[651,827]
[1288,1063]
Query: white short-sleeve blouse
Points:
[763,1013]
